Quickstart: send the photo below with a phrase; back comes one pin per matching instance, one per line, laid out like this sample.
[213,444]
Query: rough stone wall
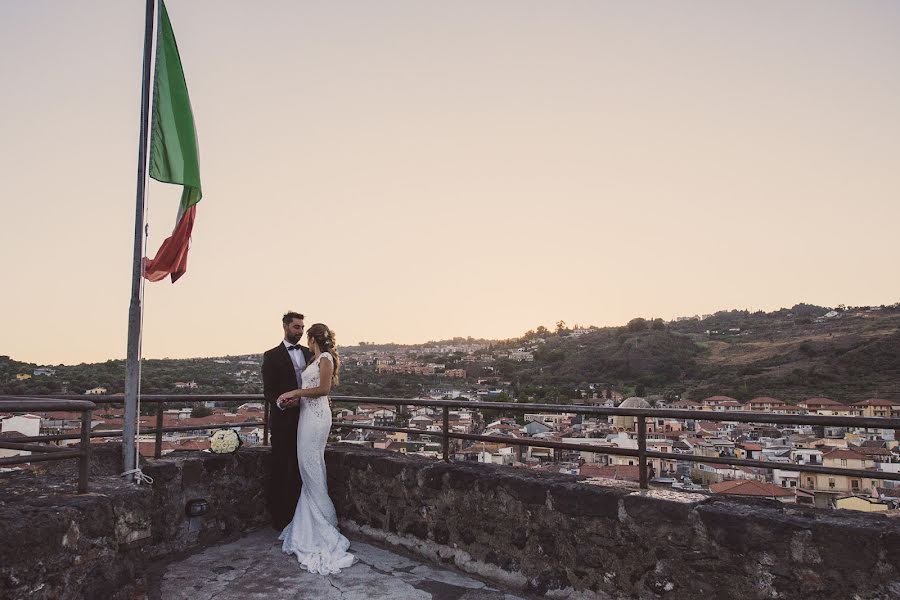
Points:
[536,532]
[55,544]
[59,545]
[551,535]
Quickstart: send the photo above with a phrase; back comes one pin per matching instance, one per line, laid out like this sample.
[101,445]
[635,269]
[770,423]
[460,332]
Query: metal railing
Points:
[78,403]
[641,415]
[43,452]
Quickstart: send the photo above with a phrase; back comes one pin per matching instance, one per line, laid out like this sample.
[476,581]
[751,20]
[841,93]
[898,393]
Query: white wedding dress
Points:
[312,535]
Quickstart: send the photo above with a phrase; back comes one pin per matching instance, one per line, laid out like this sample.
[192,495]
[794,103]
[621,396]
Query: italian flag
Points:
[173,151]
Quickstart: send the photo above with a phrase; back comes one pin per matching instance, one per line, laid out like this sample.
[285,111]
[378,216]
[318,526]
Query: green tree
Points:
[637,324]
[200,410]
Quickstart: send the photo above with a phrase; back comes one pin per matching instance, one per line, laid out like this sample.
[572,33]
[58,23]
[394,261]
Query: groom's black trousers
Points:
[284,485]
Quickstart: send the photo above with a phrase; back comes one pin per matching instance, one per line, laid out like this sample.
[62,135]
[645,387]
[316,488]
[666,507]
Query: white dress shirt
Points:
[298,359]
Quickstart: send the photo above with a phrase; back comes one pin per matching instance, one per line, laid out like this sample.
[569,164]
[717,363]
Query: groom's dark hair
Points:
[290,316]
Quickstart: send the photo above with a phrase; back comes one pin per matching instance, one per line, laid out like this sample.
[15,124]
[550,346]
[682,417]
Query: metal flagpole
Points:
[133,364]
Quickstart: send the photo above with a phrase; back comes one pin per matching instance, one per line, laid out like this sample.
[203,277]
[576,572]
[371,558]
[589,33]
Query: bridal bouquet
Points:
[224,441]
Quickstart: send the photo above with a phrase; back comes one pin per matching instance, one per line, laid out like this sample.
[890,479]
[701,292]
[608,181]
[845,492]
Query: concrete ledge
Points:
[548,534]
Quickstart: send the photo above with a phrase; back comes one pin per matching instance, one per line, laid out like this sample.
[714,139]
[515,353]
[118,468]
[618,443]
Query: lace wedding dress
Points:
[313,535]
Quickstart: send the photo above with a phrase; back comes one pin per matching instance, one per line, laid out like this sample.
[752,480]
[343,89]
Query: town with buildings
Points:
[466,370]
[863,449]
[874,450]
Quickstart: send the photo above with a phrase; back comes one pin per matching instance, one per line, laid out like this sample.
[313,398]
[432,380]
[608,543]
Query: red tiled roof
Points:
[765,400]
[685,404]
[119,423]
[149,448]
[822,402]
[718,399]
[751,447]
[869,451]
[844,454]
[212,419]
[876,402]
[59,415]
[620,472]
[750,487]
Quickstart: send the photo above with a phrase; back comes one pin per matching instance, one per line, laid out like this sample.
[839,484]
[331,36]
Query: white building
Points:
[24,424]
[786,479]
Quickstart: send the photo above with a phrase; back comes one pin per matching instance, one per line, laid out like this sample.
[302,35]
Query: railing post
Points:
[84,462]
[642,451]
[446,438]
[157,453]
[265,422]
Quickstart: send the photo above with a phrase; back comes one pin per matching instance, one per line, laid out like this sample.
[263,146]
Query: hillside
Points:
[232,375]
[851,354]
[789,355]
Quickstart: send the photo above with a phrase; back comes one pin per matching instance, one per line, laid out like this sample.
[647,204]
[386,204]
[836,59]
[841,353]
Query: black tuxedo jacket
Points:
[279,377]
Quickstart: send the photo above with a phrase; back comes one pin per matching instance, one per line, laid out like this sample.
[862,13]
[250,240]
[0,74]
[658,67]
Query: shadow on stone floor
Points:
[255,567]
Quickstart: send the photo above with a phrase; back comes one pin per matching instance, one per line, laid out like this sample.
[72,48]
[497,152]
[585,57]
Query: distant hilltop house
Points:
[579,332]
[521,356]
[878,408]
[457,373]
[831,314]
[22,376]
[44,372]
[97,391]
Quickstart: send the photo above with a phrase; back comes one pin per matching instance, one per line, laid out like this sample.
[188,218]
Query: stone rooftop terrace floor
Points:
[255,567]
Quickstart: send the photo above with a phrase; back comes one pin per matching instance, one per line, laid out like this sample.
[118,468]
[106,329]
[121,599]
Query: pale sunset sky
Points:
[407,170]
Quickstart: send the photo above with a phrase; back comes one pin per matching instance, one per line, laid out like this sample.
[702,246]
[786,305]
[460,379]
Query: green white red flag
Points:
[173,151]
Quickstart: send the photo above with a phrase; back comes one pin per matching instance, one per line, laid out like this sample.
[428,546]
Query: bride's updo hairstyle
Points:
[325,341]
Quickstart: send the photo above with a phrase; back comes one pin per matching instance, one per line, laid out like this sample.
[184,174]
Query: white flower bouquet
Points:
[224,441]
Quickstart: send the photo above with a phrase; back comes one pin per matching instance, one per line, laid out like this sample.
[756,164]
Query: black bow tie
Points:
[294,347]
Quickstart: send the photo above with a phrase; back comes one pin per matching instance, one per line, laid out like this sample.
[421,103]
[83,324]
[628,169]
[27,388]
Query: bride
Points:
[313,535]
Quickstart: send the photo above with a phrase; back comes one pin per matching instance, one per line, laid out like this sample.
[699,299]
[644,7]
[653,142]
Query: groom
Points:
[281,370]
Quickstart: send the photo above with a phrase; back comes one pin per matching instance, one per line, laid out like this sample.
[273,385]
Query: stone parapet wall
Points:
[57,545]
[535,532]
[549,534]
